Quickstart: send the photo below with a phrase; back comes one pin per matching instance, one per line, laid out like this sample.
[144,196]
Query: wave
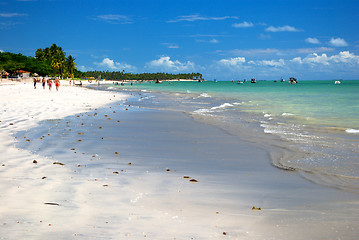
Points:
[213,109]
[355,131]
[204,95]
[287,114]
[224,105]
[203,110]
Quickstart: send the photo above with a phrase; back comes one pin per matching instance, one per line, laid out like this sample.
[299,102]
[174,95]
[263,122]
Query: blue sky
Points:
[224,39]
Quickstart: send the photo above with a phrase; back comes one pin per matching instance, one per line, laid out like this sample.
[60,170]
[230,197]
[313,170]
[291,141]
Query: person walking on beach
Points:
[57,84]
[35,83]
[43,83]
[49,82]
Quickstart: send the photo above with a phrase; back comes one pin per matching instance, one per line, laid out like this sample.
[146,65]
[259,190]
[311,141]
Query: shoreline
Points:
[150,197]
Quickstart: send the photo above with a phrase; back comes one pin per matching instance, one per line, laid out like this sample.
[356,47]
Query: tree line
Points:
[122,75]
[52,61]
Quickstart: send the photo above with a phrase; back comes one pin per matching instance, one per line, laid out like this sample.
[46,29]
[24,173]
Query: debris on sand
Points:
[58,163]
[53,204]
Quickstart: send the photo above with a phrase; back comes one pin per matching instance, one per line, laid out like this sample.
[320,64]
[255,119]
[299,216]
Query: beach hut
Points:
[22,73]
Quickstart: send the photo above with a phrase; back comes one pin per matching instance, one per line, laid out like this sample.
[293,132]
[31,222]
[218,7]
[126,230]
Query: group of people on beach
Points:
[49,82]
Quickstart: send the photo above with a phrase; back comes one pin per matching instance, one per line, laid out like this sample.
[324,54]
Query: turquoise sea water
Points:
[311,127]
[313,102]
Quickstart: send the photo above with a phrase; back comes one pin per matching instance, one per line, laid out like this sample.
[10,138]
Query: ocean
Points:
[311,127]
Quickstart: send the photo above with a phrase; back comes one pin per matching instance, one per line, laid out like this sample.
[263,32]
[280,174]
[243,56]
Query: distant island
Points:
[52,62]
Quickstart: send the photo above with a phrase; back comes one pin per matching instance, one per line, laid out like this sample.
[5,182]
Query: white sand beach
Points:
[24,188]
[83,180]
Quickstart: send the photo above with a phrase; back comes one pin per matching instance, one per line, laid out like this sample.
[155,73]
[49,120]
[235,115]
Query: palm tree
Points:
[70,66]
[58,60]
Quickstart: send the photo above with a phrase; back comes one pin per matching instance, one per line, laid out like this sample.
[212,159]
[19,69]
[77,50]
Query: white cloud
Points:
[265,36]
[313,66]
[10,15]
[338,42]
[285,28]
[254,52]
[213,40]
[297,60]
[1,51]
[171,45]
[315,58]
[110,64]
[243,25]
[344,57]
[271,63]
[270,52]
[83,68]
[166,64]
[312,40]
[114,19]
[311,50]
[197,17]
[232,61]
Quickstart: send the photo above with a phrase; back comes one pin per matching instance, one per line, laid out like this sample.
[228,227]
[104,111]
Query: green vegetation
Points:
[138,76]
[47,62]
[56,58]
[52,61]
[11,62]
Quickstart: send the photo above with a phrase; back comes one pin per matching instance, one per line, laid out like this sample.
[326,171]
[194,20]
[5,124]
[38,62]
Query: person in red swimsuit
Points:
[57,84]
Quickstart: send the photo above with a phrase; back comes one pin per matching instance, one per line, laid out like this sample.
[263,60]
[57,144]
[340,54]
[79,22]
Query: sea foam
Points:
[224,105]
[204,95]
[355,131]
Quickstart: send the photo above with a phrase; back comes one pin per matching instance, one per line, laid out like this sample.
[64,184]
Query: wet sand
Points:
[116,171]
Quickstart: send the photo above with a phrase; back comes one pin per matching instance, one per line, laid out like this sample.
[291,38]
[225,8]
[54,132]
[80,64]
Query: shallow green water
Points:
[309,102]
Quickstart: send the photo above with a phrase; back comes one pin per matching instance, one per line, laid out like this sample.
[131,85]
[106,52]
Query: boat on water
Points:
[253,80]
[293,80]
[282,80]
[337,82]
[158,81]
[239,82]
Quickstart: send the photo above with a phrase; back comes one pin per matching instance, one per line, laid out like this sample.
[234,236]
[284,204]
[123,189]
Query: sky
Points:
[222,39]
